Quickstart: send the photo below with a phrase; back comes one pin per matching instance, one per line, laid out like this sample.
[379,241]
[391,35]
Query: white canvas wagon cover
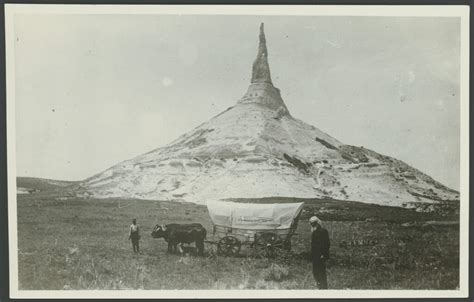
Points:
[253,216]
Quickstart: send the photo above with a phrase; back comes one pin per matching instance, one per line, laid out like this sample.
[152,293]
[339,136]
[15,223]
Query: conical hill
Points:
[256,149]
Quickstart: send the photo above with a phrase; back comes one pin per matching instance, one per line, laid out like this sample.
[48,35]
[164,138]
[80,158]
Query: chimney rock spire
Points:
[261,90]
[261,69]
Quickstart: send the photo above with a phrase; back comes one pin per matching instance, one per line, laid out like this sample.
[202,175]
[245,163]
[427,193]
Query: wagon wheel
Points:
[268,245]
[228,246]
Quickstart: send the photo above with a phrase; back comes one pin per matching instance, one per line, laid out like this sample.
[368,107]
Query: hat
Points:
[314,219]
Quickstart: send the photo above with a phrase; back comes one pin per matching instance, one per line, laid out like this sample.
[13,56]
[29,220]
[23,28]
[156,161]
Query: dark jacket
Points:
[320,244]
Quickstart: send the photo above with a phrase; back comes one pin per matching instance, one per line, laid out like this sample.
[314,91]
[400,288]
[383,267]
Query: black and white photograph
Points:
[201,151]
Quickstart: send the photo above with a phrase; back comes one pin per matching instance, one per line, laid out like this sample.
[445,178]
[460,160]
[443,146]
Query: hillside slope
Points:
[248,152]
[27,185]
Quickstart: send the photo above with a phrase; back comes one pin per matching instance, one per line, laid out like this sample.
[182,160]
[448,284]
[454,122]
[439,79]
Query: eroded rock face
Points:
[261,90]
[257,149]
[266,95]
[260,68]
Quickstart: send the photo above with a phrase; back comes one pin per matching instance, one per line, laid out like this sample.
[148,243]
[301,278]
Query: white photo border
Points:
[283,10]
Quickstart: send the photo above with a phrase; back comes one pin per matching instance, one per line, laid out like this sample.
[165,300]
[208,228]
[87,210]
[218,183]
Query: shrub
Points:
[276,273]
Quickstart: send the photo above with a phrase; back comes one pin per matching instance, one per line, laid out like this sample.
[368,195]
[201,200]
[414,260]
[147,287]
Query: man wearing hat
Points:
[319,251]
[134,235]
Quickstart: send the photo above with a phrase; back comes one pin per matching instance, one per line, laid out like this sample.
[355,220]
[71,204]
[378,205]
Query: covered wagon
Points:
[266,227]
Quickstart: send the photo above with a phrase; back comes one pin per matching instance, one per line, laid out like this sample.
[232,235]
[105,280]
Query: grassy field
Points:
[73,243]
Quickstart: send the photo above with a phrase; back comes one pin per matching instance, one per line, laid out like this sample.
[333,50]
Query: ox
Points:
[177,234]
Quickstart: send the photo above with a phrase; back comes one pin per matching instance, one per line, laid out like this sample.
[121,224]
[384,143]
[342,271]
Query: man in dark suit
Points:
[319,251]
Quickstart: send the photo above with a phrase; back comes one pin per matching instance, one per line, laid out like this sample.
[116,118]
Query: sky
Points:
[94,90]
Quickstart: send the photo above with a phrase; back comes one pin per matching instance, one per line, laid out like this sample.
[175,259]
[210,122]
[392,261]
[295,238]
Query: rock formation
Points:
[260,68]
[257,149]
[261,90]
